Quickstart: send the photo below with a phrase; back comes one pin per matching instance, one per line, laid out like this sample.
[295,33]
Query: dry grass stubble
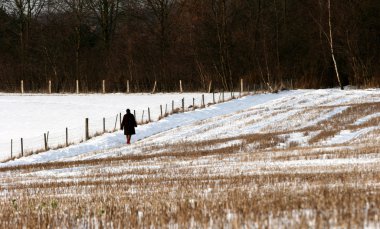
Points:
[254,183]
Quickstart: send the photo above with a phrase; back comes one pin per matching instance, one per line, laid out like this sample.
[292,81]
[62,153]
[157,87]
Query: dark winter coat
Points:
[128,124]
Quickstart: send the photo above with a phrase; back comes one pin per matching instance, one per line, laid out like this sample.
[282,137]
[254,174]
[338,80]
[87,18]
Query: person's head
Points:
[128,111]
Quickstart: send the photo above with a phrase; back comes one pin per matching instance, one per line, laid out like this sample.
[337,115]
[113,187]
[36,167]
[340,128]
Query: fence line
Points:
[54,140]
[91,128]
[77,87]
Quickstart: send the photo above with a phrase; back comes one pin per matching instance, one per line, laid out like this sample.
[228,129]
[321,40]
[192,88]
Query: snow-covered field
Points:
[292,111]
[302,158]
[29,116]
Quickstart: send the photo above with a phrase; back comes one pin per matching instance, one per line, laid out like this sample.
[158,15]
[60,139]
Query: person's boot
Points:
[128,141]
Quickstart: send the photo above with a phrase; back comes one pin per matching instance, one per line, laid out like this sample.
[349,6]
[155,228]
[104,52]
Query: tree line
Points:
[310,44]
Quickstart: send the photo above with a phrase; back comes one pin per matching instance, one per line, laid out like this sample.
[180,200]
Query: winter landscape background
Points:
[296,145]
[29,116]
[300,158]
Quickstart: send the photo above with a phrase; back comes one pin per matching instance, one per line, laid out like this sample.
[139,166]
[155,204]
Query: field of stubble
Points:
[296,172]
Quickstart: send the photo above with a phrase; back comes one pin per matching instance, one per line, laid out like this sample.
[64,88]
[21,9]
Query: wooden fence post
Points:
[120,118]
[134,113]
[87,133]
[115,122]
[128,86]
[103,86]
[148,114]
[183,105]
[193,104]
[154,87]
[291,84]
[223,96]
[104,125]
[203,101]
[180,86]
[77,86]
[213,97]
[67,137]
[172,106]
[161,111]
[49,86]
[241,87]
[45,142]
[22,87]
[209,86]
[22,147]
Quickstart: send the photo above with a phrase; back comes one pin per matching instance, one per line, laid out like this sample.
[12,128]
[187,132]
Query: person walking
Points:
[128,125]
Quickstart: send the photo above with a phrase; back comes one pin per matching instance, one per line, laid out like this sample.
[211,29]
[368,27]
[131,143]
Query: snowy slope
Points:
[287,159]
[298,111]
[114,140]
[29,116]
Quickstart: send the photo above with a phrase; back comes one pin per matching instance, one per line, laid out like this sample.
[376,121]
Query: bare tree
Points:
[220,16]
[78,9]
[329,37]
[107,13]
[315,43]
[162,23]
[360,64]
[331,42]
[25,11]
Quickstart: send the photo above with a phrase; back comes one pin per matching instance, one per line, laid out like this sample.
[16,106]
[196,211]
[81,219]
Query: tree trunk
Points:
[332,46]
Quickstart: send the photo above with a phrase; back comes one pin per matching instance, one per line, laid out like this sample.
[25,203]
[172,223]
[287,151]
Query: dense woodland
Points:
[272,43]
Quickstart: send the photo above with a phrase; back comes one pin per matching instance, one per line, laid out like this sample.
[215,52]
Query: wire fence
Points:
[21,147]
[16,148]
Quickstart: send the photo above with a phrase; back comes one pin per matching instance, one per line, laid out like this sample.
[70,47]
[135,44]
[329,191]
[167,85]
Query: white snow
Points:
[346,136]
[256,135]
[29,116]
[247,115]
[117,139]
[328,115]
[366,118]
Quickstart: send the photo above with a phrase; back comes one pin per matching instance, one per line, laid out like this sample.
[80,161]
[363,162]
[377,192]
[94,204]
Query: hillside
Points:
[304,158]
[29,116]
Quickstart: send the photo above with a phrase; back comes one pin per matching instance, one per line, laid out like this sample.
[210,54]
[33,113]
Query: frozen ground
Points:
[29,116]
[297,159]
[296,113]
